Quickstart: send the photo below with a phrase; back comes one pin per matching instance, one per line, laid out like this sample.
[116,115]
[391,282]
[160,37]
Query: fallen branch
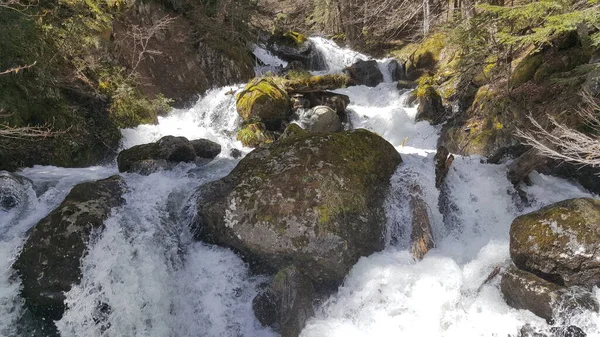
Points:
[17,69]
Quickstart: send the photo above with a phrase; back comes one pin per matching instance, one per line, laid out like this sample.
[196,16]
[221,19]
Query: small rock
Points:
[567,331]
[321,119]
[523,290]
[421,237]
[175,149]
[406,85]
[365,73]
[235,153]
[205,148]
[396,71]
[430,105]
[13,190]
[287,302]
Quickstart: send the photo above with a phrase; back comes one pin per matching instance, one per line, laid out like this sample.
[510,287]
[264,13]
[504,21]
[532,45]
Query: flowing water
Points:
[158,281]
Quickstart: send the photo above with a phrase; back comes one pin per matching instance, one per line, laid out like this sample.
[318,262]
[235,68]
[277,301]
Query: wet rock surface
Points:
[49,263]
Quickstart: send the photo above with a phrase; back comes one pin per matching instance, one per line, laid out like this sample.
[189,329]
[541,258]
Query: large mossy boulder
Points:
[314,200]
[524,290]
[364,73]
[287,303]
[165,153]
[560,242]
[262,99]
[49,263]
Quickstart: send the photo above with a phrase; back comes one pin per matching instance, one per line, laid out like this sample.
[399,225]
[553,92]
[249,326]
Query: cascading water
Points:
[144,275]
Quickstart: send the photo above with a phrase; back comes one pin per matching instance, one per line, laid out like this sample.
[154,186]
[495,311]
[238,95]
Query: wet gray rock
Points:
[287,303]
[165,154]
[321,119]
[365,73]
[396,70]
[314,200]
[49,263]
[13,190]
[205,148]
[560,242]
[524,290]
[295,52]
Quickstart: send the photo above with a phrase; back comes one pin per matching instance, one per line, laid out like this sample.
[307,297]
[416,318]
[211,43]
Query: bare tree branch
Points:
[17,69]
[141,38]
[566,143]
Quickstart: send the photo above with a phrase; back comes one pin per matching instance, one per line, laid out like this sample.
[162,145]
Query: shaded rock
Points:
[295,47]
[311,99]
[524,290]
[443,160]
[528,330]
[592,83]
[263,99]
[13,190]
[560,242]
[49,263]
[287,304]
[519,169]
[235,153]
[365,73]
[406,85]
[311,199]
[321,119]
[175,149]
[567,331]
[205,148]
[295,66]
[166,152]
[430,105]
[421,237]
[396,71]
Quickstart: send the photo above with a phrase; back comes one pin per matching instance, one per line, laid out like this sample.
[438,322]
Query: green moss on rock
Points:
[265,100]
[560,242]
[526,70]
[254,135]
[312,199]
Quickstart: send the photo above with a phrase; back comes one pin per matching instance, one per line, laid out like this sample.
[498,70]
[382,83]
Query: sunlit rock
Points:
[560,242]
[311,199]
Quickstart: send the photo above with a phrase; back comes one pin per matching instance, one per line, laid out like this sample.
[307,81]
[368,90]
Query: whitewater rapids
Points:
[159,282]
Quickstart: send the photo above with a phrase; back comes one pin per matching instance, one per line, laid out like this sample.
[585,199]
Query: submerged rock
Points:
[49,263]
[365,73]
[165,153]
[524,290]
[287,303]
[264,100]
[560,242]
[13,190]
[314,200]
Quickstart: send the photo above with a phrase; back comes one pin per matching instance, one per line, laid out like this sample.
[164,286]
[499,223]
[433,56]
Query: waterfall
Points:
[144,275]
